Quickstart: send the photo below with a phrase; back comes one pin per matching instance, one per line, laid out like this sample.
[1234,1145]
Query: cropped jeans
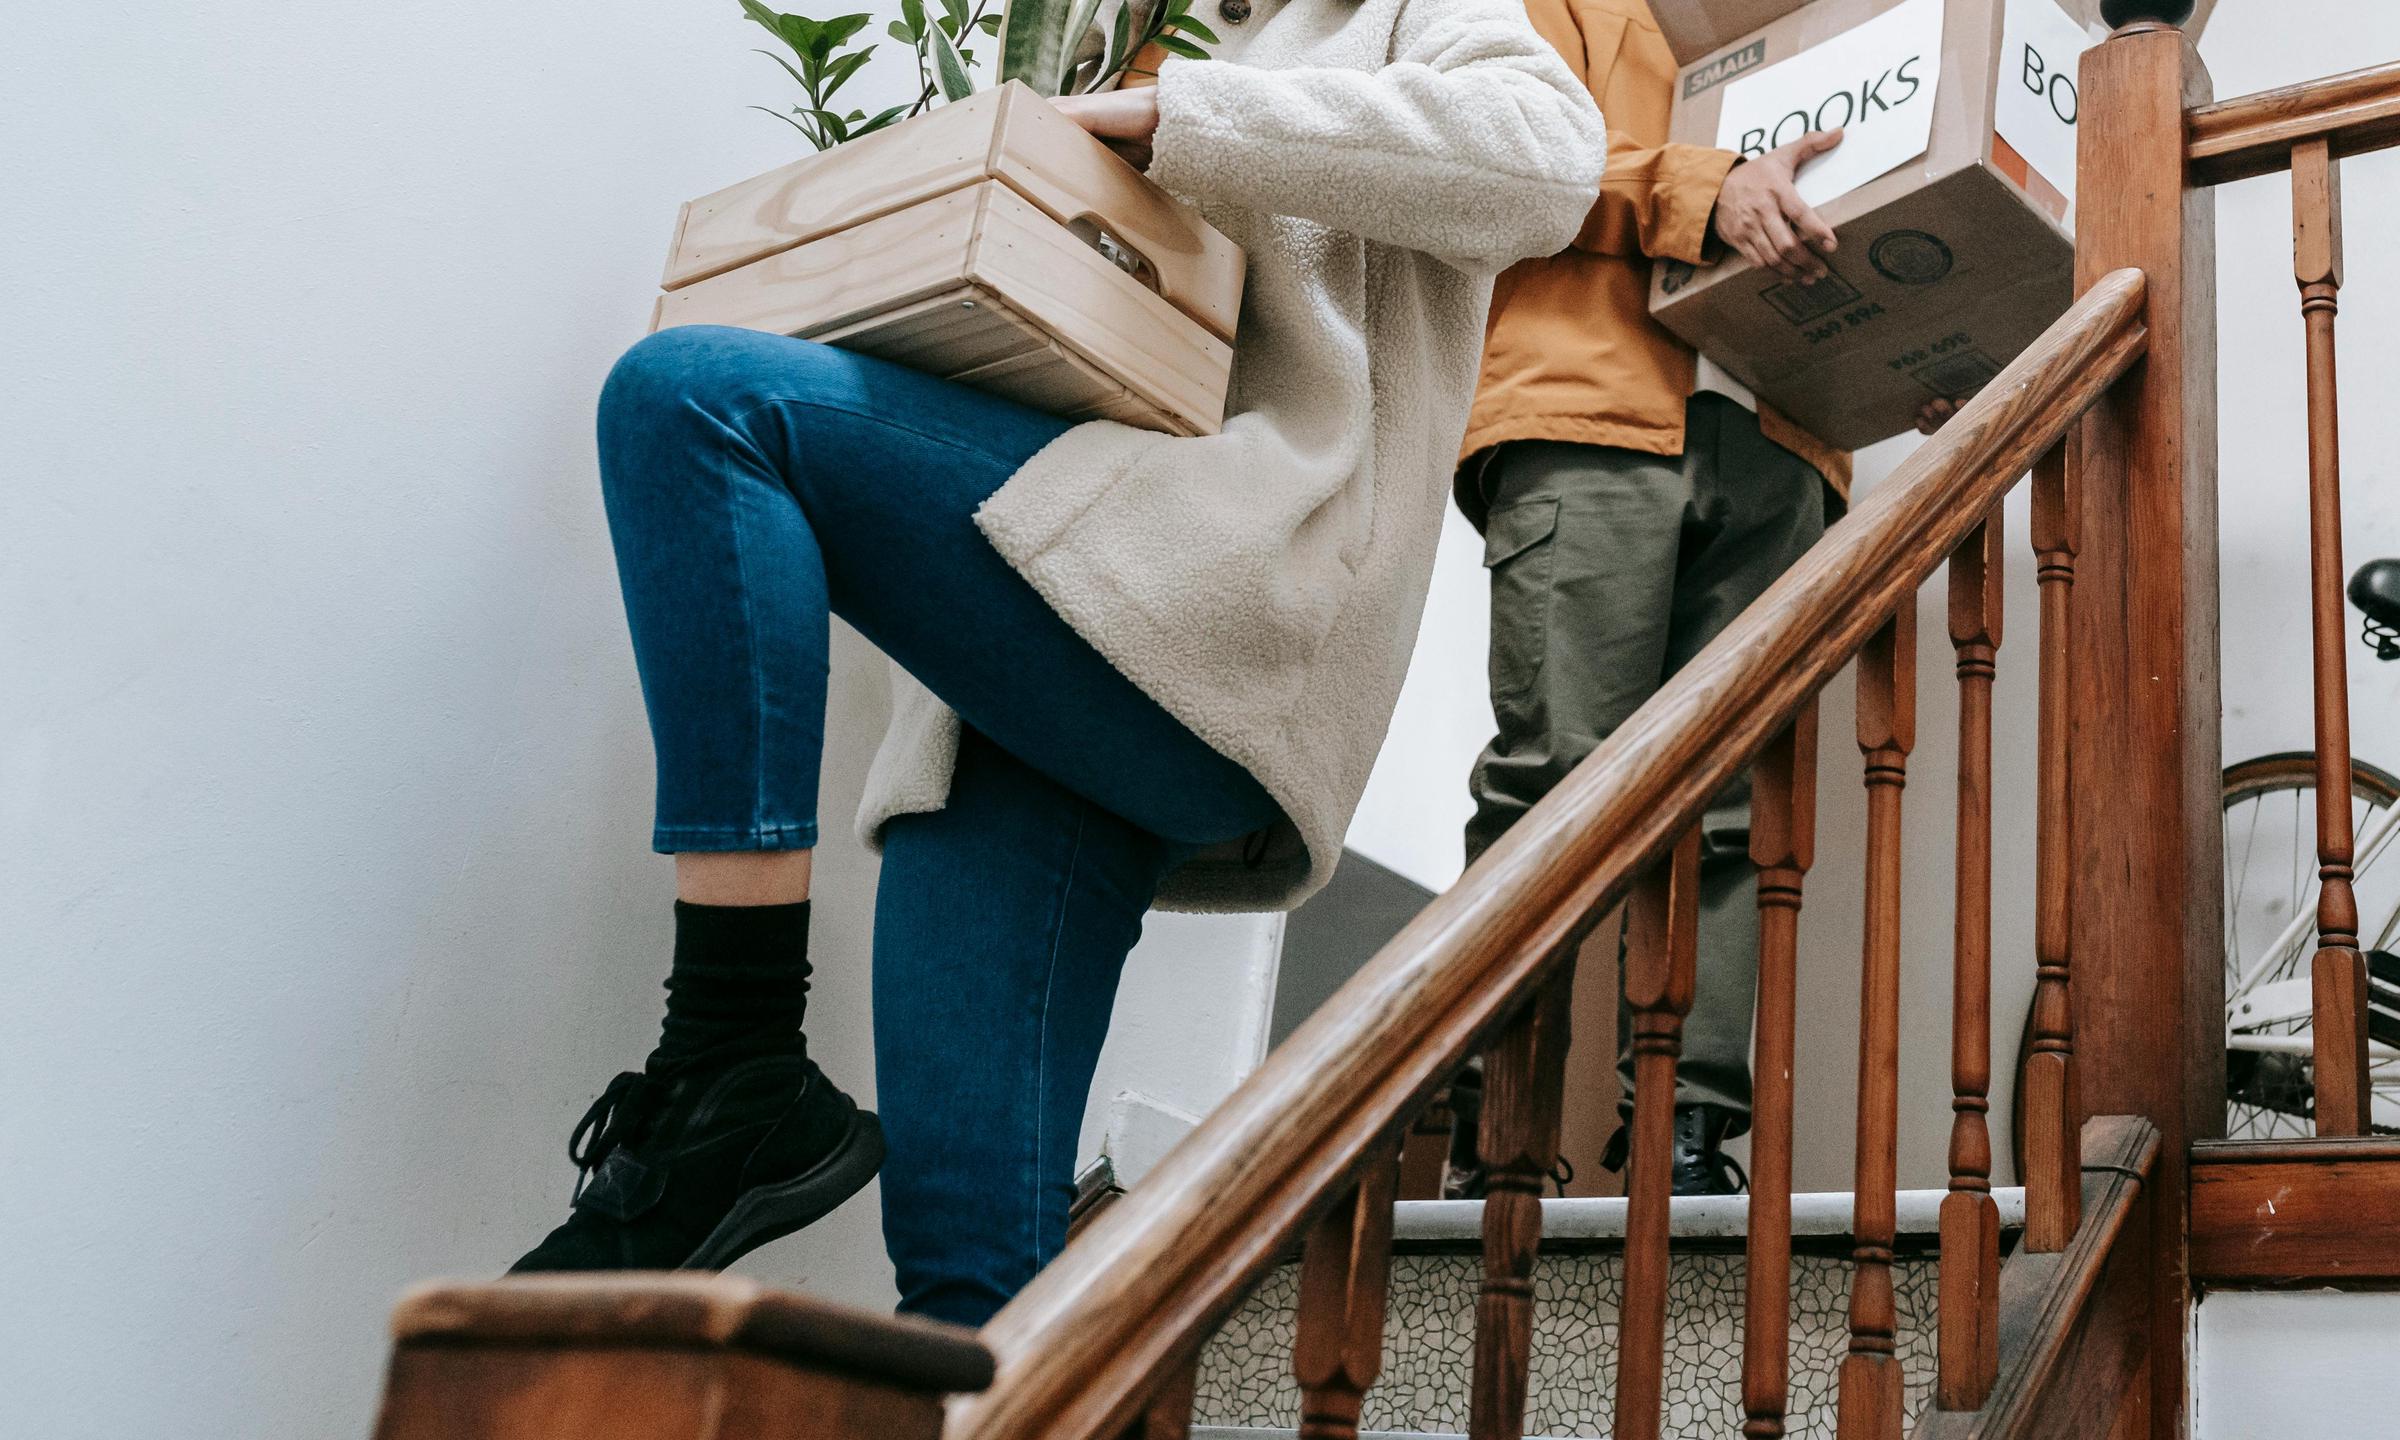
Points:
[758,485]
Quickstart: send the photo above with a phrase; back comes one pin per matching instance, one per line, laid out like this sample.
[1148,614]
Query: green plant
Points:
[1056,46]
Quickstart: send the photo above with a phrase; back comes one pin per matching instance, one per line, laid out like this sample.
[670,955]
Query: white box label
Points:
[1875,82]
[2037,105]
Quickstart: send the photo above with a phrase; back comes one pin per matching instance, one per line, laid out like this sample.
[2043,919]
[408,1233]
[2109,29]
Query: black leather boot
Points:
[1700,1165]
[692,1169]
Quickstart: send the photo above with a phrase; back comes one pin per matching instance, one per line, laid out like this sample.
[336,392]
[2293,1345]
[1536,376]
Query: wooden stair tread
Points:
[694,1311]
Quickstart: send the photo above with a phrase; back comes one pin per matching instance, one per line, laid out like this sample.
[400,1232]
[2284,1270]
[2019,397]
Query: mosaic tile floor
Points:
[1246,1375]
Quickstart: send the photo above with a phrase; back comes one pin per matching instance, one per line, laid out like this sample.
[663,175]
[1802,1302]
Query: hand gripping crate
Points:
[991,241]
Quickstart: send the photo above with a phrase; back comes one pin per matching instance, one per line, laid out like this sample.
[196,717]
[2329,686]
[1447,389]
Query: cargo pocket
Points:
[1518,552]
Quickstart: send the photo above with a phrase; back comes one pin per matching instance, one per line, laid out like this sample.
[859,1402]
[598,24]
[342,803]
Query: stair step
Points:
[1246,1391]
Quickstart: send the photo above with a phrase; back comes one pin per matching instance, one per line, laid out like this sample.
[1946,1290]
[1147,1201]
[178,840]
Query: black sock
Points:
[739,982]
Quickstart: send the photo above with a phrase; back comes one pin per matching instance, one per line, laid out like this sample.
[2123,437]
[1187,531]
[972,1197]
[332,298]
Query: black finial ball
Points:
[2125,12]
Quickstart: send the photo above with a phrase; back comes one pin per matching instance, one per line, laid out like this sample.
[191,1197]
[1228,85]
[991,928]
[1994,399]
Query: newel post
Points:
[2144,757]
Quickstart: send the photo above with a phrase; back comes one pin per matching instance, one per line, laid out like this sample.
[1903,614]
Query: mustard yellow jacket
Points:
[1571,352]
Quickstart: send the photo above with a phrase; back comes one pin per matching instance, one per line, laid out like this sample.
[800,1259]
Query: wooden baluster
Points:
[1661,972]
[1168,1414]
[1518,1140]
[1783,823]
[1969,1356]
[2339,971]
[1344,1273]
[2046,1094]
[1869,1408]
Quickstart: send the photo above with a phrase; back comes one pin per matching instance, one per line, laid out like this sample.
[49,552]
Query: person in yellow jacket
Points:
[1633,499]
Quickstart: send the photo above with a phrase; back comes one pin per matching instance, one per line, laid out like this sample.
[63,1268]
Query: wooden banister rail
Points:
[1081,1350]
[2256,134]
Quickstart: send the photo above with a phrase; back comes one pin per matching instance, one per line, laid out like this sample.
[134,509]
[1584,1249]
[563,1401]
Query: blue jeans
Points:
[756,486]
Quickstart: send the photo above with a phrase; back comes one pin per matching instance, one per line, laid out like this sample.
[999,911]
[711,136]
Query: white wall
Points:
[325,897]
[1417,801]
[2269,1365]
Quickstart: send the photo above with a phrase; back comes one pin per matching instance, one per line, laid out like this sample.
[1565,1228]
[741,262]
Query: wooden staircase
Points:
[2074,1326]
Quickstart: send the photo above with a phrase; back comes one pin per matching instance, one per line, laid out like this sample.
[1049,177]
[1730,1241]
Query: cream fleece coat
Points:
[1380,161]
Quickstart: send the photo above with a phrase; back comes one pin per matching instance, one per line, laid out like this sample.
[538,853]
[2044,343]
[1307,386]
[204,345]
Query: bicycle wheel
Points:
[2270,809]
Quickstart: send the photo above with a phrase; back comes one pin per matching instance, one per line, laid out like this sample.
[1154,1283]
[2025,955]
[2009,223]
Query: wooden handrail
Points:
[1079,1350]
[2254,134]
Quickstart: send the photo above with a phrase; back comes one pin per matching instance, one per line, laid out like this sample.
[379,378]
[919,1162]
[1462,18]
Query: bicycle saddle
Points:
[2375,589]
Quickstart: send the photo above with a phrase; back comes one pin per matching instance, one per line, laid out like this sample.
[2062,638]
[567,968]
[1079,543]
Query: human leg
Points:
[756,485]
[1002,923]
[1757,509]
[1581,544]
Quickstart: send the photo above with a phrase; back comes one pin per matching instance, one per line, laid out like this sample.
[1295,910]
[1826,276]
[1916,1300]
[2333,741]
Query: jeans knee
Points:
[661,369]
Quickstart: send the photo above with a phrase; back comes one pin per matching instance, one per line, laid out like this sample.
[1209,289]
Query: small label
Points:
[1911,257]
[1956,376]
[1802,303]
[1716,72]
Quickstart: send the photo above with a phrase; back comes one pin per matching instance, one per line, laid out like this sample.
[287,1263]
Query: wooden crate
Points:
[991,241]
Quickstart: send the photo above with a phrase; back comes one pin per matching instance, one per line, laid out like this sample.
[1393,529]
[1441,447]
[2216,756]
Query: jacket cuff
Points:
[1180,151]
[1689,177]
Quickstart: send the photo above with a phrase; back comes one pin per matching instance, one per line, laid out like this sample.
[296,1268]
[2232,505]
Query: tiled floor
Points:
[1246,1376]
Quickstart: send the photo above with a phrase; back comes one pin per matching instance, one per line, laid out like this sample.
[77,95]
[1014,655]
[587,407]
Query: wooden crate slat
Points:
[942,150]
[905,257]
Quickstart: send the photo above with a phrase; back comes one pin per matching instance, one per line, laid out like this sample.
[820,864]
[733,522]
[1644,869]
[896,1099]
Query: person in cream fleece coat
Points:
[1132,668]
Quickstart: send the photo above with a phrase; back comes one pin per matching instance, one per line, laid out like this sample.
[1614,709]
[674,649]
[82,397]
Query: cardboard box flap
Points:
[1009,134]
[1697,28]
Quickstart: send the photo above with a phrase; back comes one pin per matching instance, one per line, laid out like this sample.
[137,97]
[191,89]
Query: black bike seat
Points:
[2375,590]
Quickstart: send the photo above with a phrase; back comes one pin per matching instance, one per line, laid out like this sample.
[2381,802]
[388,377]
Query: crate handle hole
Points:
[1114,248]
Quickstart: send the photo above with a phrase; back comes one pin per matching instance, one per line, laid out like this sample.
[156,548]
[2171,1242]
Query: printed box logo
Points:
[1716,72]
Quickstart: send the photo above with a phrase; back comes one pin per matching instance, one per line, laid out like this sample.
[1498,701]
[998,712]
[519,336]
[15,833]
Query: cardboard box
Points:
[1951,197]
[992,241]
[1696,29]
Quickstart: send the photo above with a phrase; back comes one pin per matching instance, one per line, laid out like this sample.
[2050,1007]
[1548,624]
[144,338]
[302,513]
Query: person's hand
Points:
[1761,215]
[1126,119]
[1934,414]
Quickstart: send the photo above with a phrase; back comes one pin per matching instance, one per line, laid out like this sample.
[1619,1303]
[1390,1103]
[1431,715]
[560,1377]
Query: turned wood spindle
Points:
[1523,1078]
[1968,1358]
[2339,971]
[1661,972]
[1783,823]
[2047,1102]
[1869,1407]
[1345,1270]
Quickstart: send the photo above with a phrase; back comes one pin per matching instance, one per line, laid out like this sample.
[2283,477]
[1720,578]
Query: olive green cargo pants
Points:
[1609,569]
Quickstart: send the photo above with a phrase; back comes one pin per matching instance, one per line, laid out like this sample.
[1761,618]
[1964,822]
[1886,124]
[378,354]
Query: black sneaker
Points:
[694,1169]
[1701,1167]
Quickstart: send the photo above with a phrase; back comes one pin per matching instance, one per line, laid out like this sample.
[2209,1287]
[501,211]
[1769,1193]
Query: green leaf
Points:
[832,124]
[813,138]
[763,16]
[957,11]
[842,69]
[1177,45]
[786,64]
[869,126]
[1186,25]
[839,29]
[989,24]
[900,33]
[1033,43]
[949,68]
[913,11]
